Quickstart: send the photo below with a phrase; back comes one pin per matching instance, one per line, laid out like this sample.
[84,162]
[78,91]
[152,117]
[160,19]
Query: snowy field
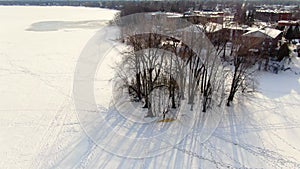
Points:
[40,129]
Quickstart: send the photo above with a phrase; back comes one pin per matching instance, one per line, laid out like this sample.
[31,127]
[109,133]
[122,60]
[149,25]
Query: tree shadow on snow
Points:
[244,136]
[278,85]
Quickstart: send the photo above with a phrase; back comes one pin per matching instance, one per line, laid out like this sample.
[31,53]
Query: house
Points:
[269,38]
[204,17]
[234,31]
[287,23]
[270,15]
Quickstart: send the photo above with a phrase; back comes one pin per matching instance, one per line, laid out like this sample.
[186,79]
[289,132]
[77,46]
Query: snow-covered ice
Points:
[39,128]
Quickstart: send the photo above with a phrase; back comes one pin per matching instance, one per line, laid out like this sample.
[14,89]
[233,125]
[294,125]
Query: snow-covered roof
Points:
[272,11]
[168,14]
[208,13]
[209,27]
[239,27]
[263,33]
[288,22]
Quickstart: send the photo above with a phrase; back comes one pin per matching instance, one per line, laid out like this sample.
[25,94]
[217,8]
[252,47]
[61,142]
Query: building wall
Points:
[272,16]
[268,47]
[196,19]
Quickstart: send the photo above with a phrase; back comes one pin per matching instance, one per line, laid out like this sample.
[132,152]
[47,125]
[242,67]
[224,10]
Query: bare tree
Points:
[242,62]
[153,66]
[192,71]
[204,68]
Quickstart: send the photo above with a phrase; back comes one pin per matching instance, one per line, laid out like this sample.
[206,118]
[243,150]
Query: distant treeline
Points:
[150,6]
[52,3]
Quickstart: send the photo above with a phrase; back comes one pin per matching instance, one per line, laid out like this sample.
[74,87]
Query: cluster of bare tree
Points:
[149,73]
[161,69]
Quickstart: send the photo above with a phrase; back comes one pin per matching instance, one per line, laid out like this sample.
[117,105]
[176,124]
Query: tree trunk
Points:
[204,104]
[234,84]
[150,113]
[173,98]
[138,86]
[266,64]
[224,51]
[230,99]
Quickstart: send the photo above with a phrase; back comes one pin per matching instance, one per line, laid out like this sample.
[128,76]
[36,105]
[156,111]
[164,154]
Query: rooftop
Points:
[263,33]
[272,11]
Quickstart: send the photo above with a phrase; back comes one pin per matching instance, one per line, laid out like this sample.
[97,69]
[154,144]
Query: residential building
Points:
[271,15]
[203,17]
[269,37]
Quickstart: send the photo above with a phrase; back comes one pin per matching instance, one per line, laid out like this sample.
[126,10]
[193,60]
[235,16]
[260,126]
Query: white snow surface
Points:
[39,128]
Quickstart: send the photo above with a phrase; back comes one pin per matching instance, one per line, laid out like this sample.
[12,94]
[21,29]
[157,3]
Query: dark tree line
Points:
[293,32]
